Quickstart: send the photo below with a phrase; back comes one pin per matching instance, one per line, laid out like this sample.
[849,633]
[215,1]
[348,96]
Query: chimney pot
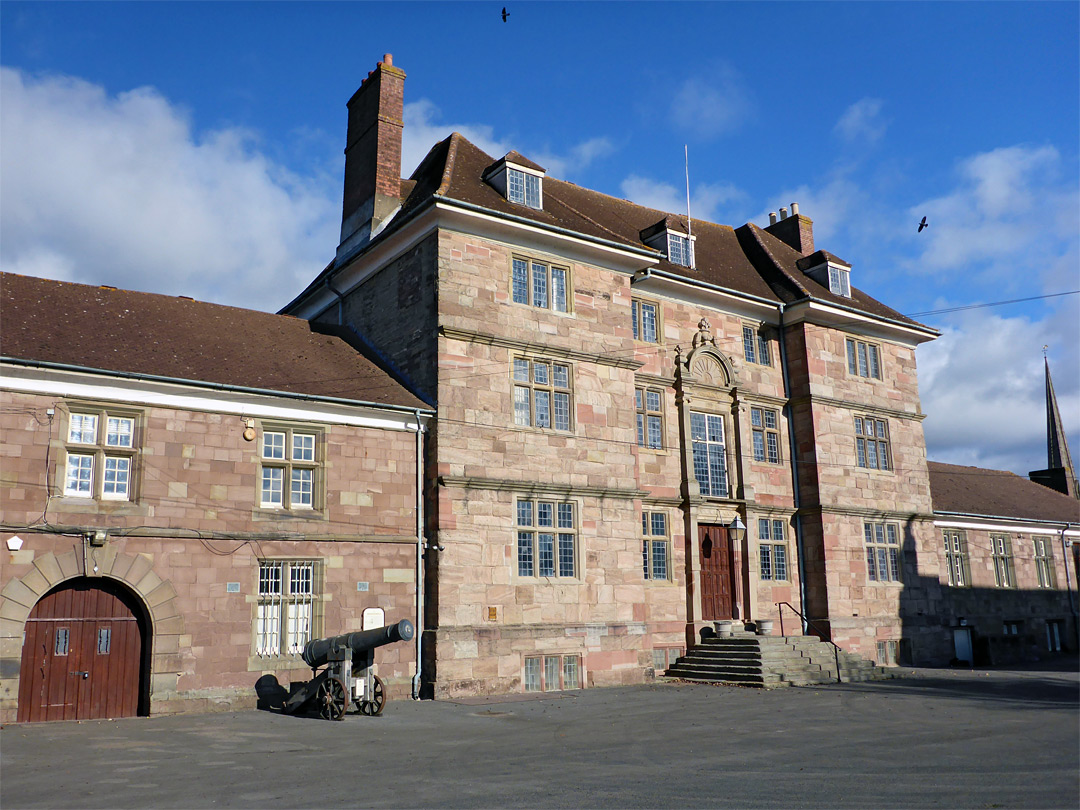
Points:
[794,209]
[388,59]
[772,217]
[783,213]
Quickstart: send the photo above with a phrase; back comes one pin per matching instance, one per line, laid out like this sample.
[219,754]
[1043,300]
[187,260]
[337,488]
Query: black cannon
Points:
[346,674]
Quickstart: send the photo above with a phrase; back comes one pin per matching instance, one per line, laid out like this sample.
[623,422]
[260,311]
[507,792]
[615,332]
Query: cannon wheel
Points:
[374,706]
[333,699]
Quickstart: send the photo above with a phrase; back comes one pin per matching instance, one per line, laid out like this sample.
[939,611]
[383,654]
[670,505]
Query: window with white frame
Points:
[887,653]
[285,615]
[839,281]
[542,394]
[546,539]
[100,453]
[756,347]
[710,460]
[882,551]
[1001,553]
[1044,562]
[772,549]
[956,558]
[872,443]
[655,546]
[765,431]
[650,417]
[680,249]
[523,188]
[539,284]
[646,321]
[551,673]
[863,359]
[289,469]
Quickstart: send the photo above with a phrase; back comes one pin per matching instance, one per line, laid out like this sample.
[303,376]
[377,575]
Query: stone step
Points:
[769,661]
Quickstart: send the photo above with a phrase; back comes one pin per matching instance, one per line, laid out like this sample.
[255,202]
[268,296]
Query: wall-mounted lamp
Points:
[249,430]
[14,543]
[737,529]
[98,537]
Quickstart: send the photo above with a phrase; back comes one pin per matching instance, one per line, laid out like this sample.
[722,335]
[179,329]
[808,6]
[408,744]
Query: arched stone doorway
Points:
[86,653]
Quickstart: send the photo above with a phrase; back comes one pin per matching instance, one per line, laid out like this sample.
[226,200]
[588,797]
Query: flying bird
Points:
[923,224]
[505,13]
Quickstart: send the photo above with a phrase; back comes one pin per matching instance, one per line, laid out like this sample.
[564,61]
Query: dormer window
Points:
[522,188]
[680,250]
[839,281]
[518,179]
[829,271]
[671,236]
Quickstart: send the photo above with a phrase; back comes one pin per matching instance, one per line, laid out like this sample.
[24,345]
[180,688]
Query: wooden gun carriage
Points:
[341,668]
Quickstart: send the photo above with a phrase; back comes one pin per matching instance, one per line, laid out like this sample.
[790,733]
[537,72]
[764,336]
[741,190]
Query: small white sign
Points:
[232,587]
[361,586]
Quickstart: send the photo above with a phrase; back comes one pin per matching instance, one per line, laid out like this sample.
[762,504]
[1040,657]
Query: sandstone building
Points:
[190,492]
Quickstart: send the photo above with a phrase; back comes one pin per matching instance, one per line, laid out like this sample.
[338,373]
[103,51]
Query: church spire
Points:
[1060,473]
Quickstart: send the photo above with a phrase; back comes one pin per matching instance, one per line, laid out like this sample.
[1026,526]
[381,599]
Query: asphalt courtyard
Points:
[938,738]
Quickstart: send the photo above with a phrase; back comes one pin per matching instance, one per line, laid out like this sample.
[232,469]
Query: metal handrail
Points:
[821,632]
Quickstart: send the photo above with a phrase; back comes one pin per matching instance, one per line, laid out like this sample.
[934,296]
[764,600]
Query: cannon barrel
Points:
[318,652]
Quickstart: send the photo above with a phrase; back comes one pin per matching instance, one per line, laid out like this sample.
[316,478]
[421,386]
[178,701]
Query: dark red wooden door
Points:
[82,655]
[717,573]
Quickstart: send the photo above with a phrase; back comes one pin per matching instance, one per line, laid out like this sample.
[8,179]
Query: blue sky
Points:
[196,149]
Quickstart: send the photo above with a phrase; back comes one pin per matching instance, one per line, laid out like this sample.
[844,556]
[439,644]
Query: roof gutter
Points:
[240,389]
[1009,518]
[479,209]
[690,282]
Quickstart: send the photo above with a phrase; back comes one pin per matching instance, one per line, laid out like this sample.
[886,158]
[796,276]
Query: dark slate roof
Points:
[44,321]
[997,493]
[745,259]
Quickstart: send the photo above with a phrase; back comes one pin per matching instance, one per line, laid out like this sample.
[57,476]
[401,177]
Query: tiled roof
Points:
[130,332]
[997,493]
[746,259]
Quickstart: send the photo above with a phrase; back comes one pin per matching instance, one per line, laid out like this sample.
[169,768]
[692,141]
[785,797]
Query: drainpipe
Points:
[419,626]
[419,555]
[799,550]
[1068,585]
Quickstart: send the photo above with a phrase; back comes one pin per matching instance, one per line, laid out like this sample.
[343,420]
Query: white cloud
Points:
[1011,210]
[862,121]
[423,130]
[705,200]
[981,385]
[712,105]
[119,190]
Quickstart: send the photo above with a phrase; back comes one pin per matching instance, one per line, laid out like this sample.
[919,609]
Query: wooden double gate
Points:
[83,654]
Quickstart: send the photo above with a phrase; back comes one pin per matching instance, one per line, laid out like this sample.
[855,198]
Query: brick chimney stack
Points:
[794,230]
[373,154]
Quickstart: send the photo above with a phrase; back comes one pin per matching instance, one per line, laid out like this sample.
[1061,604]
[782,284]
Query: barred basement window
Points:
[650,420]
[872,443]
[101,454]
[1044,562]
[546,539]
[539,284]
[887,653]
[1001,552]
[956,559]
[665,657]
[882,552]
[542,396]
[645,321]
[290,469]
[552,673]
[766,434]
[285,613]
[772,550]
[863,359]
[655,546]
